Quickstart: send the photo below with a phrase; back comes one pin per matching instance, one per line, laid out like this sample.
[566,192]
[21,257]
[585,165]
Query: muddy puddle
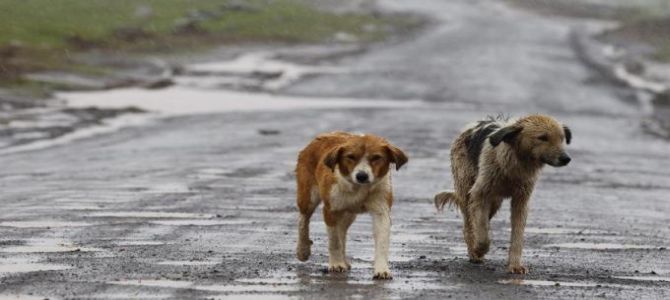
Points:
[248,82]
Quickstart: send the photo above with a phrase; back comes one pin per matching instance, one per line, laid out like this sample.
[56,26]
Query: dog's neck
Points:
[518,164]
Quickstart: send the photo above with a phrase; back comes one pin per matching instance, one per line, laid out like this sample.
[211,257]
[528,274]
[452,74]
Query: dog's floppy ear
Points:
[396,156]
[505,134]
[333,157]
[568,134]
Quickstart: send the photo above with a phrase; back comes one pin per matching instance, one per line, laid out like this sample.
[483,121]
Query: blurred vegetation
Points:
[654,31]
[645,21]
[45,34]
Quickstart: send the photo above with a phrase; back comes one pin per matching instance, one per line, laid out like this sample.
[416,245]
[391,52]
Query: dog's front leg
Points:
[519,213]
[336,260]
[381,226]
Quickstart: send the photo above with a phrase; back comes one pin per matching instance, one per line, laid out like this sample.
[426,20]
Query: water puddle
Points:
[600,246]
[8,269]
[106,126]
[139,243]
[238,288]
[209,173]
[560,230]
[258,69]
[255,297]
[23,297]
[12,265]
[132,295]
[548,283]
[201,222]
[269,280]
[168,188]
[189,262]
[645,278]
[43,224]
[149,214]
[179,100]
[75,206]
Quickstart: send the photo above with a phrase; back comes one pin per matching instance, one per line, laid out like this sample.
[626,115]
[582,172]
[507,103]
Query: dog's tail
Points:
[445,198]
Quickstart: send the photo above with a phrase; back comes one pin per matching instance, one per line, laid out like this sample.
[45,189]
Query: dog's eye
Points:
[351,157]
[375,158]
[544,138]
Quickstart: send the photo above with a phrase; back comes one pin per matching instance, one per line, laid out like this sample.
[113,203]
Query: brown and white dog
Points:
[496,159]
[350,175]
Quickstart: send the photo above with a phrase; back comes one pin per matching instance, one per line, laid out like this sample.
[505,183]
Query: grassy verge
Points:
[654,31]
[644,21]
[45,34]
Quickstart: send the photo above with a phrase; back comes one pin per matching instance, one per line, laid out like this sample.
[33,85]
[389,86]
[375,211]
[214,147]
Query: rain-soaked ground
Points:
[201,205]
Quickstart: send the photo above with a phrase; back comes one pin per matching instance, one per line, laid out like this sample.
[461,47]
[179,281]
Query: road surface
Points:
[202,206]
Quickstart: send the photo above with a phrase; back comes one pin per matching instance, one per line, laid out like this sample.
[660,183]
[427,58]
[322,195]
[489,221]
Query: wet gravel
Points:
[203,206]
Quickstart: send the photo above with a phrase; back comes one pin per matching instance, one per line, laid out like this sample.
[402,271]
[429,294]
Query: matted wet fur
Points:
[494,159]
[349,173]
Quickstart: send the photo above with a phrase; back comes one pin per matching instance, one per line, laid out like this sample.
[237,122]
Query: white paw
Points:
[338,267]
[383,274]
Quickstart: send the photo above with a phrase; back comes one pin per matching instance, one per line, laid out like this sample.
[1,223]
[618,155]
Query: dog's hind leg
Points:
[468,235]
[480,210]
[308,200]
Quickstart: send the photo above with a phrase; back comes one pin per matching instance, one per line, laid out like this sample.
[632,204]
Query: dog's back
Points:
[465,153]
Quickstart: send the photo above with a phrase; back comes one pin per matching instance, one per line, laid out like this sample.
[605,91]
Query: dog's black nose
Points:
[564,159]
[362,177]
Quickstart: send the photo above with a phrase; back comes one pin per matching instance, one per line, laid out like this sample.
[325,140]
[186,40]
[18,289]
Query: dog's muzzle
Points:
[562,160]
[362,178]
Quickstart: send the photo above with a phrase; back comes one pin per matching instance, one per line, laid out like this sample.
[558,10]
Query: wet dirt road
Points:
[202,206]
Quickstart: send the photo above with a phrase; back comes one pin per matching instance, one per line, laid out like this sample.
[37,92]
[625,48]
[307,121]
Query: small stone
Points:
[268,131]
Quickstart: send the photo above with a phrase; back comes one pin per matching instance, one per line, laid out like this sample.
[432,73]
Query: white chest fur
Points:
[346,195]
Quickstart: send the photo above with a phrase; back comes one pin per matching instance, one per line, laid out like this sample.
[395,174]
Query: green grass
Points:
[45,34]
[47,23]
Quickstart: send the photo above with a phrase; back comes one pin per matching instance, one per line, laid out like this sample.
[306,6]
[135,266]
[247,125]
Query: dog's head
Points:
[538,138]
[365,159]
